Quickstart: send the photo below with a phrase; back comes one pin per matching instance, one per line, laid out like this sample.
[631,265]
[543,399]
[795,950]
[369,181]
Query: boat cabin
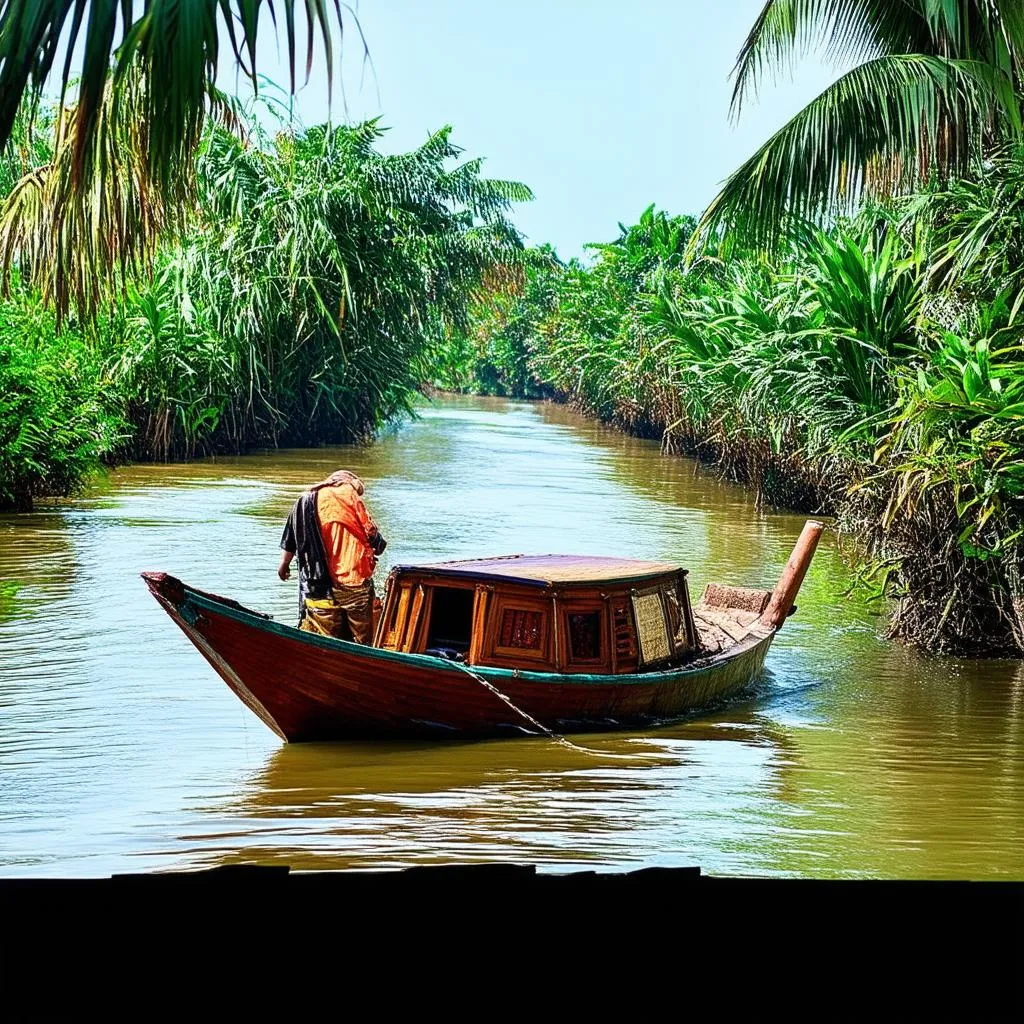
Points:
[543,613]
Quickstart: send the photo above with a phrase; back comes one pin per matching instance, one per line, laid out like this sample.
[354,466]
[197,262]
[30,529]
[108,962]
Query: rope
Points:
[561,740]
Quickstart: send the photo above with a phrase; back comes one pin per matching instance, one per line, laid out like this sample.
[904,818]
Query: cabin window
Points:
[451,619]
[584,635]
[520,630]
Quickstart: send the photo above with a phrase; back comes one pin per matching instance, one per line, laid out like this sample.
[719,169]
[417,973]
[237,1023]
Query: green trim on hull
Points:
[264,624]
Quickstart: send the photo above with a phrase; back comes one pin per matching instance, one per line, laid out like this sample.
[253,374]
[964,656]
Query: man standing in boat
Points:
[336,543]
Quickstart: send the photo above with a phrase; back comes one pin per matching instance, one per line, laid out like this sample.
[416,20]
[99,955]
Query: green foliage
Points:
[295,302]
[932,82]
[29,146]
[80,248]
[874,371]
[300,309]
[949,489]
[978,226]
[494,351]
[58,414]
[173,47]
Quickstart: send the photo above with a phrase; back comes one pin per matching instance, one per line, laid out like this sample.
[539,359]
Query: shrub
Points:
[58,414]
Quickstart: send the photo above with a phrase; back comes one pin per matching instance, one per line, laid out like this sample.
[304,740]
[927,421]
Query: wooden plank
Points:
[725,622]
[412,625]
[480,608]
[399,605]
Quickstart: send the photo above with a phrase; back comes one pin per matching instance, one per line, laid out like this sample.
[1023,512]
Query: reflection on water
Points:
[120,750]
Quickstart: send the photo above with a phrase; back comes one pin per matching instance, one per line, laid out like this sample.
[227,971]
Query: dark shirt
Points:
[302,538]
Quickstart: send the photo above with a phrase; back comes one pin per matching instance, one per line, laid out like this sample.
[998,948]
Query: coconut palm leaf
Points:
[845,31]
[932,81]
[175,43]
[883,127]
[78,247]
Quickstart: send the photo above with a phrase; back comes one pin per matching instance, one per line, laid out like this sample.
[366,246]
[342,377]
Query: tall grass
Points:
[300,309]
[295,303]
[873,371]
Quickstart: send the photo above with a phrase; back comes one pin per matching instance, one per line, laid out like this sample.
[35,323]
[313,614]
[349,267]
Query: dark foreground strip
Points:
[265,930]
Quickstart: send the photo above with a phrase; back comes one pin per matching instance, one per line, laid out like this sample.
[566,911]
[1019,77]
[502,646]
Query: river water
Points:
[121,750]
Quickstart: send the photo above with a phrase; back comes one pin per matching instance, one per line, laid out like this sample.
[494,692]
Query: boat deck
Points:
[725,616]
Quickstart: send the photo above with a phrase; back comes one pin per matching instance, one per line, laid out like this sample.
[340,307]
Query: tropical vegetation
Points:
[841,328]
[927,86]
[292,303]
[844,331]
[873,371]
[58,413]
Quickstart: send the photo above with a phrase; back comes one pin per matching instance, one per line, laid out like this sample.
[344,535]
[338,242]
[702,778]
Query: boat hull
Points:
[308,687]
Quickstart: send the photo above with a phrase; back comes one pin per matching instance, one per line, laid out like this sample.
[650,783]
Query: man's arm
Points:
[288,546]
[377,541]
[284,569]
[363,515]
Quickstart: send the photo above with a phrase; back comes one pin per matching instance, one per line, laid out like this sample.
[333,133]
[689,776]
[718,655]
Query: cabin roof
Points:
[544,570]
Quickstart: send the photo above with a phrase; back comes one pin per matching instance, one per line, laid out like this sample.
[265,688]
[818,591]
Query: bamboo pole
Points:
[781,603]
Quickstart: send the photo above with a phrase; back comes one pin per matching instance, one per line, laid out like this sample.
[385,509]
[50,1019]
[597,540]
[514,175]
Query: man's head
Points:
[343,476]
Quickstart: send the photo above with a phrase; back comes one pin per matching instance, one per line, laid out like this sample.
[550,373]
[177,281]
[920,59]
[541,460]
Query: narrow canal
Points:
[121,750]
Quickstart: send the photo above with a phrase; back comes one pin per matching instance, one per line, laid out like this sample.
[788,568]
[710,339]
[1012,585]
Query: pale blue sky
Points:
[601,107]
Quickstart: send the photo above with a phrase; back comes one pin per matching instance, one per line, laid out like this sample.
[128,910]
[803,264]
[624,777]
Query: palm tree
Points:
[933,83]
[657,241]
[174,45]
[78,247]
[122,173]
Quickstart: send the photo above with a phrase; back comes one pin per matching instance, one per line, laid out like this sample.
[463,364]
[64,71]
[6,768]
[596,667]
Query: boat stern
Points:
[781,605]
[728,615]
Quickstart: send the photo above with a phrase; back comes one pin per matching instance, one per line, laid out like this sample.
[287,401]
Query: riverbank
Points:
[851,374]
[944,597]
[294,302]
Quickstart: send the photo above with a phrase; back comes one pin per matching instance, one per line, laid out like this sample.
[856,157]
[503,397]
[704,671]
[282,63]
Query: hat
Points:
[342,476]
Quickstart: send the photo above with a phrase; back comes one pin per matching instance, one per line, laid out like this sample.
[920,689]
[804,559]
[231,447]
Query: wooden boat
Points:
[517,644]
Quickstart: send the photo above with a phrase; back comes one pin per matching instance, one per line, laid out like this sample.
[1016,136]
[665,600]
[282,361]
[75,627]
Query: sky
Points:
[601,107]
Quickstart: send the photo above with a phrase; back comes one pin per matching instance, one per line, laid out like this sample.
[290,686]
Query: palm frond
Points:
[176,44]
[885,126]
[78,248]
[847,31]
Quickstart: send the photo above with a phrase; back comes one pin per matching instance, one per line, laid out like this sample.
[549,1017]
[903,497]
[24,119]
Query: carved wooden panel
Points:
[651,627]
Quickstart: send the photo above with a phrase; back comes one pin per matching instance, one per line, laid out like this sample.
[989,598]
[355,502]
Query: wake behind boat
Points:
[498,646]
